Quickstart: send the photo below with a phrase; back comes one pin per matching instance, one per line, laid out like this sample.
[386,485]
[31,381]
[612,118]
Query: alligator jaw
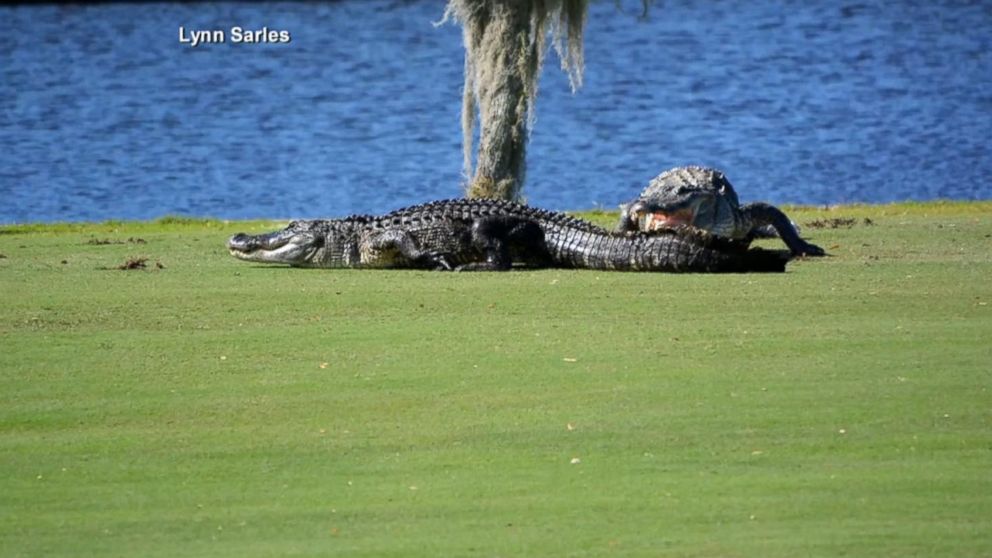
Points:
[660,220]
[248,255]
[278,247]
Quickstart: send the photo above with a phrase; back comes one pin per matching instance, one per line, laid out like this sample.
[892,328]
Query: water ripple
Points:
[104,114]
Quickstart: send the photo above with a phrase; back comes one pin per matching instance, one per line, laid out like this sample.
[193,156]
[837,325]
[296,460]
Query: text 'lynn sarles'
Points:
[237,35]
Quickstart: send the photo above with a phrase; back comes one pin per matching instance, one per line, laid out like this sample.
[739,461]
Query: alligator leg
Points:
[769,231]
[403,243]
[762,214]
[501,238]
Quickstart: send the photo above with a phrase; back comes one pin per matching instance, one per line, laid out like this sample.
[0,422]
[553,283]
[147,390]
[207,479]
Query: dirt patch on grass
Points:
[134,263]
[838,223]
[107,241]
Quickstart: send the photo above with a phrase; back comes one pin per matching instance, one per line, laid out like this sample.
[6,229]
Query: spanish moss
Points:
[505,44]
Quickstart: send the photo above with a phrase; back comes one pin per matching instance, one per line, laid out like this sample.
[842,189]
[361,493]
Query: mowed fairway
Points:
[211,407]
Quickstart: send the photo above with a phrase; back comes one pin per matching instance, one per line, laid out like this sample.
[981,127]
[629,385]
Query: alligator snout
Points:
[242,242]
[252,246]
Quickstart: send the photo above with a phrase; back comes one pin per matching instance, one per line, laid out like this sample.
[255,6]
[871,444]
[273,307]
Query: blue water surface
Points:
[106,114]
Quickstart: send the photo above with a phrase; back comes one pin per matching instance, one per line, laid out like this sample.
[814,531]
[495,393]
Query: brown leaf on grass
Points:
[135,263]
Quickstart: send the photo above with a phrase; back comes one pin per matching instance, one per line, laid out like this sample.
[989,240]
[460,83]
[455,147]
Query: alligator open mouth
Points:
[658,220]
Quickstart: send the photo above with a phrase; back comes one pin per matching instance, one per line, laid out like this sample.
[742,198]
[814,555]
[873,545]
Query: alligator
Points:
[703,198]
[494,235]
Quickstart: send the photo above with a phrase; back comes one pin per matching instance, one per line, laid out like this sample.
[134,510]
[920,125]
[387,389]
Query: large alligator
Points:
[494,235]
[703,198]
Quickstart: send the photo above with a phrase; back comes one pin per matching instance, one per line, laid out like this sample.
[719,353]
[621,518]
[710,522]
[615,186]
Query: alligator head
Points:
[686,196]
[301,244]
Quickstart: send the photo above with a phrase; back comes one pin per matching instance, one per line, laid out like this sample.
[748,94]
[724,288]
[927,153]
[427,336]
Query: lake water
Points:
[105,114]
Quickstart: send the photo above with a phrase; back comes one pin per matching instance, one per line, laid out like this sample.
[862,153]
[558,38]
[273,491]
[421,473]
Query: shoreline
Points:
[182,222]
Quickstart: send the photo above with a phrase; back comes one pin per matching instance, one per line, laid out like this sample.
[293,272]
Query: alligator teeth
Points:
[657,221]
[661,220]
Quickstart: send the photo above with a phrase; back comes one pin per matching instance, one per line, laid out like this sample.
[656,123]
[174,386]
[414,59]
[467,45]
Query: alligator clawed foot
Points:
[440,262]
[808,250]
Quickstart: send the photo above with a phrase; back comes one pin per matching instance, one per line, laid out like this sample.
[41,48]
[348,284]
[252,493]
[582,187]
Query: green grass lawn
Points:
[204,406]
